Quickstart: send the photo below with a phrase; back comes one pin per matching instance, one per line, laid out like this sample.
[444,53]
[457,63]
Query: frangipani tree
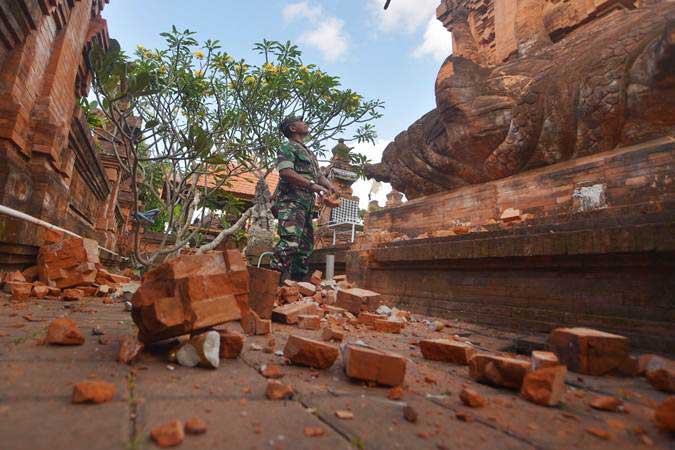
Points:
[185,119]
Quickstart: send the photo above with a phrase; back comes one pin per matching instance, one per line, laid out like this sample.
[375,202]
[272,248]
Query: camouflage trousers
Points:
[296,239]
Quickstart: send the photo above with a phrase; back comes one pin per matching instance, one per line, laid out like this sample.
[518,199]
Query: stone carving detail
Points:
[556,80]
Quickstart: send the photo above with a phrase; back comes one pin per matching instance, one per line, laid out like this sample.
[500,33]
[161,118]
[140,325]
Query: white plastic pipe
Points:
[330,267]
[6,210]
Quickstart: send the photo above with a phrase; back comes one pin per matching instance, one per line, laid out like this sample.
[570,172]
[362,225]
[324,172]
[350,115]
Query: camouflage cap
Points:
[287,122]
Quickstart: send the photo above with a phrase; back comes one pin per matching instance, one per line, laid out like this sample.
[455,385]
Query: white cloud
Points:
[363,187]
[437,41]
[403,15]
[328,37]
[302,9]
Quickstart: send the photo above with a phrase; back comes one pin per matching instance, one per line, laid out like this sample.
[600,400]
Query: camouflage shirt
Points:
[293,155]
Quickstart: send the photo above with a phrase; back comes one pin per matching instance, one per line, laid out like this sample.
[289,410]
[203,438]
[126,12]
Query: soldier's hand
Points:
[318,188]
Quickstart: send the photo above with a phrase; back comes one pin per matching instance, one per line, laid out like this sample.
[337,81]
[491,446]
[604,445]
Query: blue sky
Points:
[392,55]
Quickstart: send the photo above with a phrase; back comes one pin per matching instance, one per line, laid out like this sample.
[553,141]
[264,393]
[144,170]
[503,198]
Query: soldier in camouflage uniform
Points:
[300,180]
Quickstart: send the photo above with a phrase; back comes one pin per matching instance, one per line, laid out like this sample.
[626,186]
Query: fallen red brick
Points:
[664,415]
[316,277]
[368,318]
[195,425]
[308,352]
[93,391]
[69,262]
[588,351]
[314,431]
[231,344]
[606,403]
[388,326]
[72,295]
[19,290]
[545,386]
[498,370]
[356,300]
[278,391]
[169,434]
[63,331]
[288,314]
[40,291]
[331,334]
[271,371]
[368,364]
[289,294]
[447,350]
[306,289]
[263,290]
[15,276]
[130,349]
[472,398]
[309,322]
[660,372]
[31,274]
[541,360]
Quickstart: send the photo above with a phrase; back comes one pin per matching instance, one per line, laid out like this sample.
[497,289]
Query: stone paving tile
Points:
[247,424]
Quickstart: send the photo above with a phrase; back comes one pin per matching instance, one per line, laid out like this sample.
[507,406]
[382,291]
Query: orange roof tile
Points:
[243,185]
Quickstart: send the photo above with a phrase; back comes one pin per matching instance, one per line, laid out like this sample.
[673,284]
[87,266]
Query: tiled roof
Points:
[243,185]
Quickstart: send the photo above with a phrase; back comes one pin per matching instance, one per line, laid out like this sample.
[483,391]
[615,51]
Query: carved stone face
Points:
[608,83]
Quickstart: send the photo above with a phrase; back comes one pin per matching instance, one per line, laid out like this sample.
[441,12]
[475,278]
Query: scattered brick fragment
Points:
[388,326]
[306,289]
[69,262]
[447,350]
[332,334]
[316,277]
[278,391]
[271,371]
[541,360]
[263,290]
[130,349]
[93,391]
[289,313]
[356,300]
[344,414]
[410,414]
[63,331]
[368,364]
[252,324]
[472,398]
[498,370]
[395,393]
[40,291]
[231,344]
[660,372]
[314,431]
[17,276]
[664,415]
[588,351]
[545,386]
[309,322]
[368,318]
[308,352]
[464,417]
[598,432]
[606,403]
[195,425]
[19,290]
[169,434]
[71,295]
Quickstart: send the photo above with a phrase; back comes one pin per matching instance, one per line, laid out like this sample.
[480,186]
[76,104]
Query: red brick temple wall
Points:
[50,167]
[596,247]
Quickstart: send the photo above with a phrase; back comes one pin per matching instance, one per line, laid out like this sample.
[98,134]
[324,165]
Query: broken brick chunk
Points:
[368,364]
[308,352]
[19,290]
[472,398]
[306,289]
[254,325]
[40,291]
[263,285]
[14,276]
[541,360]
[498,370]
[660,372]
[169,434]
[356,300]
[395,393]
[130,349]
[544,386]
[598,432]
[69,262]
[331,334]
[71,295]
[231,344]
[410,414]
[195,425]
[289,294]
[309,322]
[278,391]
[447,350]
[316,277]
[93,391]
[588,351]
[314,431]
[664,415]
[606,403]
[63,331]
[289,313]
[271,371]
[388,326]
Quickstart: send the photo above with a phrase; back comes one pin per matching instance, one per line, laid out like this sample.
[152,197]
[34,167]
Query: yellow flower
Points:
[270,68]
[199,54]
[249,80]
[300,82]
[304,69]
[141,49]
[199,73]
[162,70]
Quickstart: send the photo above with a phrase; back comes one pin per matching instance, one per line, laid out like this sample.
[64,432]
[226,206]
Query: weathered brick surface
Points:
[588,351]
[447,350]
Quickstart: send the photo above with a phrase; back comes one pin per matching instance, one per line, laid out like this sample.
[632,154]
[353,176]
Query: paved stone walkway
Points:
[36,384]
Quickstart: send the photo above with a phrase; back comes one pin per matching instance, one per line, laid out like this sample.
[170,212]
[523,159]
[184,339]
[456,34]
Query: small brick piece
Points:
[231,344]
[388,326]
[314,431]
[195,425]
[541,360]
[254,325]
[278,391]
[447,350]
[316,277]
[356,300]
[331,334]
[368,364]
[410,414]
[40,291]
[19,290]
[306,289]
[498,370]
[545,386]
[308,352]
[263,285]
[606,403]
[63,331]
[14,276]
[93,391]
[289,314]
[368,318]
[664,415]
[660,372]
[169,434]
[71,295]
[130,349]
[309,322]
[289,294]
[472,398]
[588,351]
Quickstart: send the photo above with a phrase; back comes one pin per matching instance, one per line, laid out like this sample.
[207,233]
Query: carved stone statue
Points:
[535,82]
